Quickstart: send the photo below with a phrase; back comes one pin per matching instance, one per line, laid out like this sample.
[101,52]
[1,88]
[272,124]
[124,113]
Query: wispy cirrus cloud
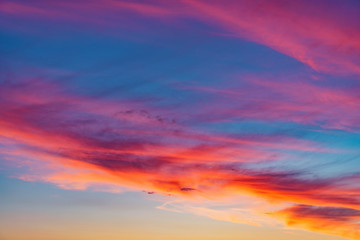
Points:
[274,98]
[320,35]
[306,31]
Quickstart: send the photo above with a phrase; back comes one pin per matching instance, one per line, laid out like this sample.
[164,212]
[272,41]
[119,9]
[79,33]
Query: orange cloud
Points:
[337,221]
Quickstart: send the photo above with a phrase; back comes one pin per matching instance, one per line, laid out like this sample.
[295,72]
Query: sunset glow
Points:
[186,119]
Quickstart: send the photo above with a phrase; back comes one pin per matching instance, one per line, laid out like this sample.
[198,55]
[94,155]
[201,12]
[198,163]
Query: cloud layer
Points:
[83,142]
[184,148]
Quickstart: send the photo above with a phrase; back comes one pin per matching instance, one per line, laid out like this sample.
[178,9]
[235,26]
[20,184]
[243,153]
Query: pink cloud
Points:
[323,35]
[297,100]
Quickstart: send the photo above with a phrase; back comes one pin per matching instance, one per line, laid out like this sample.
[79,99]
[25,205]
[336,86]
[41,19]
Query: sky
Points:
[184,119]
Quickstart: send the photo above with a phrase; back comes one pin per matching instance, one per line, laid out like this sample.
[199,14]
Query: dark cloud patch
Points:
[333,213]
[187,189]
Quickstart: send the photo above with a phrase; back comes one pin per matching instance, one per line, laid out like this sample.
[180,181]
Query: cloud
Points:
[89,143]
[271,98]
[338,221]
[323,35]
[81,142]
[317,34]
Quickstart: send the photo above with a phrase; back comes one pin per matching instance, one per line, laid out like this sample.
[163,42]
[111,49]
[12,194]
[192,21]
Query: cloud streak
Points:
[323,35]
[296,100]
